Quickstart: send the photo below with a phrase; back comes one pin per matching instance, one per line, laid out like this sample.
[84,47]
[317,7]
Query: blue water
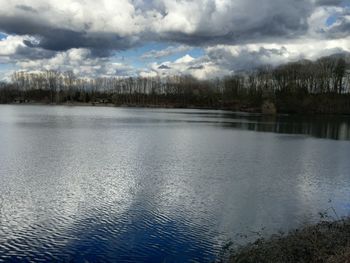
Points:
[93,184]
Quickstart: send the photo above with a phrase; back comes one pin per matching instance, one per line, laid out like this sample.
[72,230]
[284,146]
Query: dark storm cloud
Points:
[340,30]
[32,54]
[329,2]
[209,24]
[272,29]
[26,8]
[164,67]
[63,39]
[284,20]
[275,20]
[58,39]
[19,25]
[196,67]
[245,59]
[51,29]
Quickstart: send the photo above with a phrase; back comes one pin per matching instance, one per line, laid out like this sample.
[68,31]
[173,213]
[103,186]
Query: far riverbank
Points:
[267,108]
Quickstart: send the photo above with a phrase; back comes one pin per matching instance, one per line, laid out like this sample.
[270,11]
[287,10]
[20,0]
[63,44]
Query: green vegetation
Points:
[322,86]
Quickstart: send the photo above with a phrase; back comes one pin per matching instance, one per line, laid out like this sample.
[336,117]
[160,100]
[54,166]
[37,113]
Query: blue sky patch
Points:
[134,57]
[331,20]
[2,35]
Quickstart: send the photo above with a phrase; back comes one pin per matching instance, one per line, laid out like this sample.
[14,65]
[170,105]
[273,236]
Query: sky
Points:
[202,38]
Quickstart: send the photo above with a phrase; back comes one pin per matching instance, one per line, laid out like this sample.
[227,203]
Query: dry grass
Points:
[326,242]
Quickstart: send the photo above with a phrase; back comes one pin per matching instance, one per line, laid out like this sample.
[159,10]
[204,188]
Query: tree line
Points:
[321,86]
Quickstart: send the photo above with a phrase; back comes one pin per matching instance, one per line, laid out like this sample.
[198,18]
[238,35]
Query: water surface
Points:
[155,185]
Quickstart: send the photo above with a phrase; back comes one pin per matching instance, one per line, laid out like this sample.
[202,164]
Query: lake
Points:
[103,184]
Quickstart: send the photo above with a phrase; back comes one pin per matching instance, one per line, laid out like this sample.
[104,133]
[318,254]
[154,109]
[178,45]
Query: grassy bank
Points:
[326,242]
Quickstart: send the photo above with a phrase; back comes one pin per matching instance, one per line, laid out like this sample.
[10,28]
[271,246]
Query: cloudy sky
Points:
[204,38]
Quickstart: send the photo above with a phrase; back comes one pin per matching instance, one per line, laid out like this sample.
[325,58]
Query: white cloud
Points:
[156,54]
[190,21]
[221,60]
[77,35]
[80,15]
[9,45]
[80,62]
[275,54]
[185,59]
[199,68]
[148,74]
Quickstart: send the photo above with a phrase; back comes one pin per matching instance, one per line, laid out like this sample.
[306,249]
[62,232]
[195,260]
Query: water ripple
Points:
[117,185]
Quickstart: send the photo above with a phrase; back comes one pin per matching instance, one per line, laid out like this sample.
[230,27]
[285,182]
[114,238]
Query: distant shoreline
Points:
[302,87]
[111,105]
[150,106]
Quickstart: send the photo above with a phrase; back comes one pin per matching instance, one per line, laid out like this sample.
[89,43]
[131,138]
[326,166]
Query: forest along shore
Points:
[304,87]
